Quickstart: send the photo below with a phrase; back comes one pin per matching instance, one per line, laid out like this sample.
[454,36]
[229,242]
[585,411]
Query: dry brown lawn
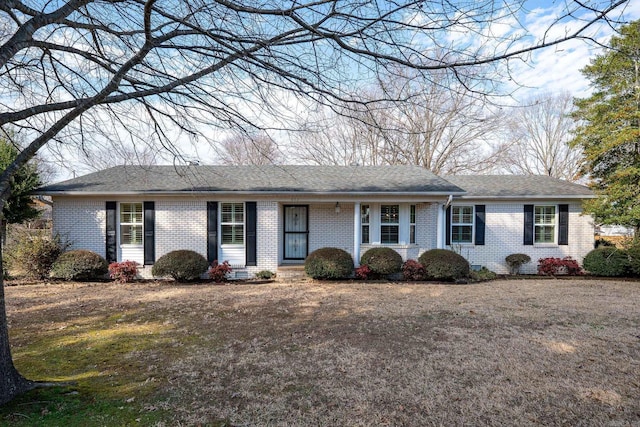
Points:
[508,352]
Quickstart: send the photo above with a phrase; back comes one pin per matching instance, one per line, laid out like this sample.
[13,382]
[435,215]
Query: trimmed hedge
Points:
[182,265]
[79,265]
[607,261]
[329,263]
[634,259]
[382,261]
[442,264]
[515,261]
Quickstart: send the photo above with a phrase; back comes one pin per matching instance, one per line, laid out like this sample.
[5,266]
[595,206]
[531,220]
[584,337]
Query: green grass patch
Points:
[110,363]
[64,406]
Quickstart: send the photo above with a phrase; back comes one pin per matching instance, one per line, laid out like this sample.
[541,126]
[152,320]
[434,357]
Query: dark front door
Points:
[296,232]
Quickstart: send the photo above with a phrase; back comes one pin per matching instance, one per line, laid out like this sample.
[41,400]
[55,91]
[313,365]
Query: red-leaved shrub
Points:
[413,270]
[218,272]
[363,272]
[559,266]
[123,272]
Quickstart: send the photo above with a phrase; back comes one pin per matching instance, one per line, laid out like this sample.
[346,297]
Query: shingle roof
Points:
[517,186]
[271,178]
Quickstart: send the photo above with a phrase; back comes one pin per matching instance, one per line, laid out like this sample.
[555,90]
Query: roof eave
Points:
[270,193]
[535,197]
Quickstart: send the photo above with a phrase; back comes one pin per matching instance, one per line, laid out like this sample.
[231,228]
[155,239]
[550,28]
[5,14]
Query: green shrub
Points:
[329,263]
[79,265]
[382,261]
[265,275]
[607,261]
[34,254]
[442,264]
[182,265]
[633,250]
[634,260]
[482,275]
[515,261]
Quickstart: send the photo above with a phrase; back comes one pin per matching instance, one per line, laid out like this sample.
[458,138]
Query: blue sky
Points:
[558,68]
[550,70]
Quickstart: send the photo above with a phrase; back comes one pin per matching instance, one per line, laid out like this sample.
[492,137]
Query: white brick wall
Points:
[504,236]
[426,223]
[327,228]
[81,222]
[267,237]
[181,224]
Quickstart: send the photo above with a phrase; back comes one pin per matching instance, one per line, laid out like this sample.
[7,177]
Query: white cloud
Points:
[558,68]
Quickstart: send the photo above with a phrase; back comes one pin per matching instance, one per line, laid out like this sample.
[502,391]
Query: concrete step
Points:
[291,272]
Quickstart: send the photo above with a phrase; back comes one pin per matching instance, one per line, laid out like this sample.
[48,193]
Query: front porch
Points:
[407,226]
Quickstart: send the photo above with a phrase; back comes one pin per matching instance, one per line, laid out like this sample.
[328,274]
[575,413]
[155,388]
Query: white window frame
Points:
[555,225]
[390,224]
[132,224]
[368,209]
[472,224]
[376,224]
[412,224]
[233,223]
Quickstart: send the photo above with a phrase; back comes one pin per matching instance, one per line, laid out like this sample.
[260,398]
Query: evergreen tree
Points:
[609,130]
[18,207]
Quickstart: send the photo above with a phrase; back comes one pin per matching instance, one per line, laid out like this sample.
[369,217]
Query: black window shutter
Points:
[528,224]
[149,233]
[448,226]
[480,220]
[212,231]
[563,222]
[111,251]
[251,224]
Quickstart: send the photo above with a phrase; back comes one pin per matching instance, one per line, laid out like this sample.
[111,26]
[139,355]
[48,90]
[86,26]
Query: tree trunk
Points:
[11,382]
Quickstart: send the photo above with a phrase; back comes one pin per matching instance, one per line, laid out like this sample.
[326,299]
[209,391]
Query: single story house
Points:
[267,217]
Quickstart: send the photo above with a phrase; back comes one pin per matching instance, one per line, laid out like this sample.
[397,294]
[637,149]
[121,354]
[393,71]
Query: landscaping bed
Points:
[506,352]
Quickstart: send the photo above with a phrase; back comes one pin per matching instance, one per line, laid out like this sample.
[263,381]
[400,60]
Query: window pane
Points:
[462,214]
[131,213]
[412,233]
[467,215]
[389,234]
[365,234]
[130,234]
[389,214]
[544,234]
[232,213]
[461,234]
[364,214]
[545,214]
[232,234]
[412,214]
[226,215]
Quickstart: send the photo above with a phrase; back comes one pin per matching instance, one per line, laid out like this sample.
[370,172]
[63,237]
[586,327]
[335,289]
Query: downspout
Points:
[357,237]
[442,223]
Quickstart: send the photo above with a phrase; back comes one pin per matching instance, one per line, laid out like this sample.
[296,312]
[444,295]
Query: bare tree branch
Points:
[539,132]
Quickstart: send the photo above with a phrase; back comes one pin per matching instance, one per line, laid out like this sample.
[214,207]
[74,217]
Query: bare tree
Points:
[162,71]
[244,149]
[539,132]
[439,124]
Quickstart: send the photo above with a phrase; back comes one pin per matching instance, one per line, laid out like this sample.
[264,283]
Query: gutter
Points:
[529,197]
[250,192]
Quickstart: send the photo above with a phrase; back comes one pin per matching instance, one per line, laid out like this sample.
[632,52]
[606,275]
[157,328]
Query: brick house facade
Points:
[261,218]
